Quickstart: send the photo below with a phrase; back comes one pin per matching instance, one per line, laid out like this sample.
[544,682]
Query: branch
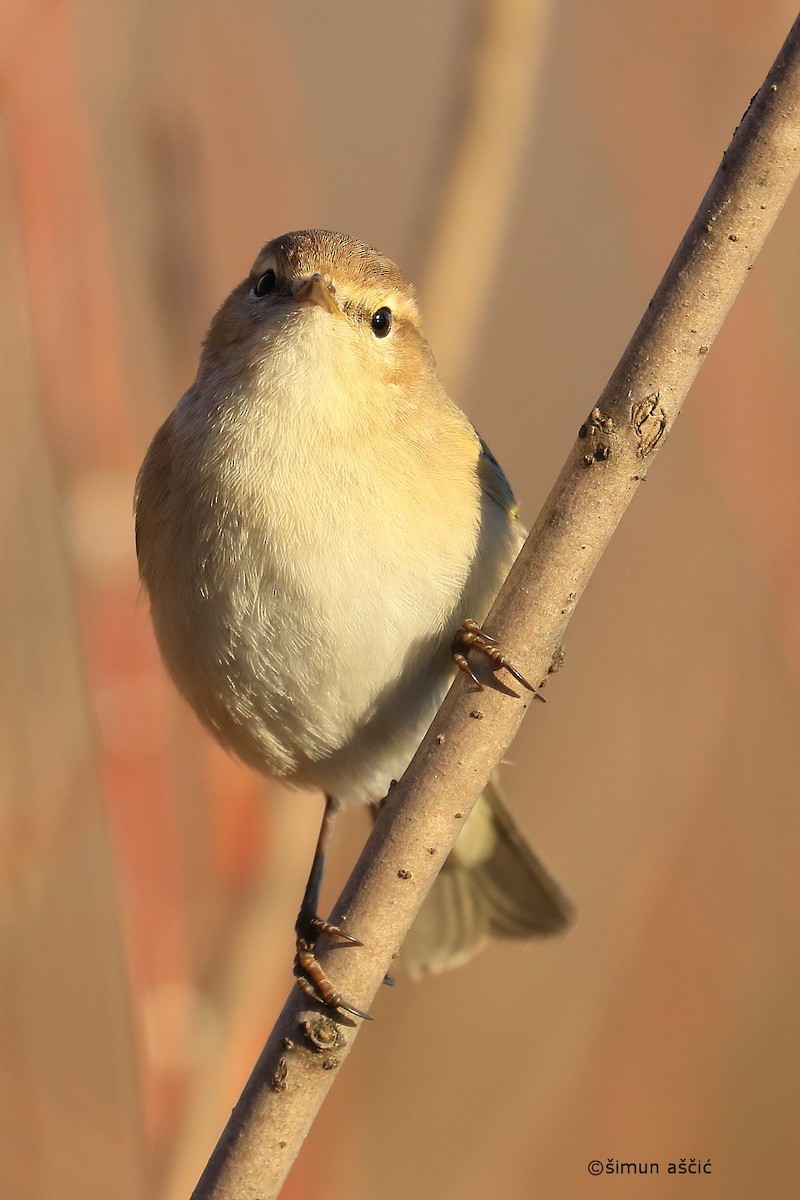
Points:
[424,813]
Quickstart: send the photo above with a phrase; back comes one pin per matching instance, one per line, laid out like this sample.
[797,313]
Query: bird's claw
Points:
[308,972]
[309,927]
[472,636]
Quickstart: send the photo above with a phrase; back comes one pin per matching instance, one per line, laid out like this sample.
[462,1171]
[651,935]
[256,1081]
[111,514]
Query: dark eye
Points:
[264,284]
[381,322]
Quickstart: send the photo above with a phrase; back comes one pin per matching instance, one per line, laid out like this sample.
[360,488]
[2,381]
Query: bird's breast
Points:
[317,573]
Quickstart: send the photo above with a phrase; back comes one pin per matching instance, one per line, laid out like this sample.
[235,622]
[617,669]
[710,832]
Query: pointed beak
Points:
[315,290]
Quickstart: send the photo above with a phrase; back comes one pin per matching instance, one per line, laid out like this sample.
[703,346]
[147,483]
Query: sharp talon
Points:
[471,634]
[387,979]
[356,1012]
[311,979]
[339,934]
[517,675]
[336,1002]
[309,975]
[462,664]
[474,627]
[309,927]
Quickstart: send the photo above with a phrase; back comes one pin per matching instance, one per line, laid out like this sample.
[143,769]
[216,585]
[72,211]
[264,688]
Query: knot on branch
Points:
[649,423]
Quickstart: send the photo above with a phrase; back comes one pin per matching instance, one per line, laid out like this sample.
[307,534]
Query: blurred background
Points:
[532,166]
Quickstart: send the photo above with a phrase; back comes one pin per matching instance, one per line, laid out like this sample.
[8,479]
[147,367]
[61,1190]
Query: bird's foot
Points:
[472,636]
[308,972]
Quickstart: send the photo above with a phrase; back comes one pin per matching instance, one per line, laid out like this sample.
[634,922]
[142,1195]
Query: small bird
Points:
[321,531]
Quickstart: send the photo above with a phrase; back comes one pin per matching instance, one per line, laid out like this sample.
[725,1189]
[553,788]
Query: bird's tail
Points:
[492,883]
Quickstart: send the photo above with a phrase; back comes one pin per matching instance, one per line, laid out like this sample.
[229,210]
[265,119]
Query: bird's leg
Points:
[470,635]
[309,926]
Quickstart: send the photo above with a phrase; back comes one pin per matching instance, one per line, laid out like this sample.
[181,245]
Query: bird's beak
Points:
[315,290]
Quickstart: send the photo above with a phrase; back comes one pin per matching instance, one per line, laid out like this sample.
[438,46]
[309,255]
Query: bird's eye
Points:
[264,284]
[381,322]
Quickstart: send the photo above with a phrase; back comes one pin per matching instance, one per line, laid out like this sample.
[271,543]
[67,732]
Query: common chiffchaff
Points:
[315,521]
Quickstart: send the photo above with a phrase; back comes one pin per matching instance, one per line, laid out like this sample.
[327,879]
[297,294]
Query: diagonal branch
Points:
[424,813]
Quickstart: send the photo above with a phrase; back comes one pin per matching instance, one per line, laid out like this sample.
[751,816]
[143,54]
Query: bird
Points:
[321,533]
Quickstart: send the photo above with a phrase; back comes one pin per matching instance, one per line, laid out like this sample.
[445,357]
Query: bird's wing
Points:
[494,483]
